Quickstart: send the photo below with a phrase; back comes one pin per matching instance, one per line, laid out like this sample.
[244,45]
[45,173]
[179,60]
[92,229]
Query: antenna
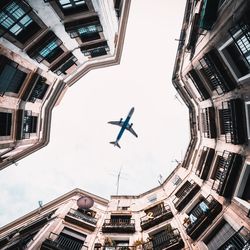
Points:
[118,180]
[176,97]
[160,179]
[40,203]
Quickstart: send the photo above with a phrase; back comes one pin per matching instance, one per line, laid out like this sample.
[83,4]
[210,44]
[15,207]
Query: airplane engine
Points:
[121,120]
[131,125]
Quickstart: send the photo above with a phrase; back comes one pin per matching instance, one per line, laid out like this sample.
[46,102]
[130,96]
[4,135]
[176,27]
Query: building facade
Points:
[205,202]
[45,47]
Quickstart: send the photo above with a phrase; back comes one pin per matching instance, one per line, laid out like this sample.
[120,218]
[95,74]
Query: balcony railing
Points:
[202,216]
[158,215]
[227,169]
[165,240]
[216,73]
[185,194]
[60,242]
[205,162]
[239,241]
[233,124]
[81,219]
[208,122]
[118,225]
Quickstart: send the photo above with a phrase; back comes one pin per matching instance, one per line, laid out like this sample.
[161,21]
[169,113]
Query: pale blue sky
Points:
[79,153]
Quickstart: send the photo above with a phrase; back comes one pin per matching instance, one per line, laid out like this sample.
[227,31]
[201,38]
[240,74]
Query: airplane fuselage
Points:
[125,124]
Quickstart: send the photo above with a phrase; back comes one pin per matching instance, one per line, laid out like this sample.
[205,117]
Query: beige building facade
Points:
[45,47]
[205,202]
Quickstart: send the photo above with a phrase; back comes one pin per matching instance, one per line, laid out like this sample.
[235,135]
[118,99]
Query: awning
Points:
[209,14]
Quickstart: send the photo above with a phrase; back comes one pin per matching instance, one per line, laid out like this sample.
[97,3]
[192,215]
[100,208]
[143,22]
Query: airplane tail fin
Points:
[115,143]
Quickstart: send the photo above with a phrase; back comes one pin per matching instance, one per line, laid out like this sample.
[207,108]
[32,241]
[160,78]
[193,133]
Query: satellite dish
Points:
[85,202]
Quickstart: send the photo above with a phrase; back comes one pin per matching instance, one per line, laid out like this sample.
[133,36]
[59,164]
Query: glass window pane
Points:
[46,50]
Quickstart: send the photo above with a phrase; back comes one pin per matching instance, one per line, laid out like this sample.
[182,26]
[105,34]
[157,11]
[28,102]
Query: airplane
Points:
[124,125]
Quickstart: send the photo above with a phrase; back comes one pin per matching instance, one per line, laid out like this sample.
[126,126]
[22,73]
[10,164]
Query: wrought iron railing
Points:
[119,225]
[201,216]
[155,214]
[239,241]
[185,193]
[82,216]
[62,242]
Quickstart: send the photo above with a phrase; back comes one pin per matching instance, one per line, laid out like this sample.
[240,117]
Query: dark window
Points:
[219,236]
[64,64]
[11,78]
[216,73]
[199,85]
[87,29]
[39,90]
[15,19]
[29,124]
[5,123]
[70,7]
[96,49]
[239,50]
[48,48]
[70,239]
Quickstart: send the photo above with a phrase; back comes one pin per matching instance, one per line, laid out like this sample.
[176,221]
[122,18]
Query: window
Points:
[199,85]
[70,239]
[216,73]
[29,124]
[5,124]
[15,19]
[66,65]
[39,90]
[87,29]
[242,193]
[96,49]
[11,78]
[238,51]
[70,7]
[208,122]
[48,48]
[51,51]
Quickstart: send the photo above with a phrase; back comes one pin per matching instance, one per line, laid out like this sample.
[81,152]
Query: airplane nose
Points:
[131,111]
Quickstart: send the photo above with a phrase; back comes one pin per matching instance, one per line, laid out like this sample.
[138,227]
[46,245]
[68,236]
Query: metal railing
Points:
[188,189]
[82,216]
[239,241]
[119,222]
[155,213]
[222,169]
[64,243]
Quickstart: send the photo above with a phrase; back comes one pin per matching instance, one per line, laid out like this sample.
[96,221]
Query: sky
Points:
[79,154]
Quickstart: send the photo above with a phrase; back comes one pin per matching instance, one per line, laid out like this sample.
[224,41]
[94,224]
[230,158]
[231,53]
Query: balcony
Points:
[185,194]
[119,225]
[155,216]
[66,65]
[208,122]
[209,14]
[199,85]
[227,168]
[232,122]
[81,219]
[26,124]
[239,241]
[202,216]
[96,49]
[36,89]
[216,73]
[166,239]
[60,242]
[205,162]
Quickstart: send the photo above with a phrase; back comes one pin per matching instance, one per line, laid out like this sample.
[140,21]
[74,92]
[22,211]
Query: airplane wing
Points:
[118,123]
[132,131]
